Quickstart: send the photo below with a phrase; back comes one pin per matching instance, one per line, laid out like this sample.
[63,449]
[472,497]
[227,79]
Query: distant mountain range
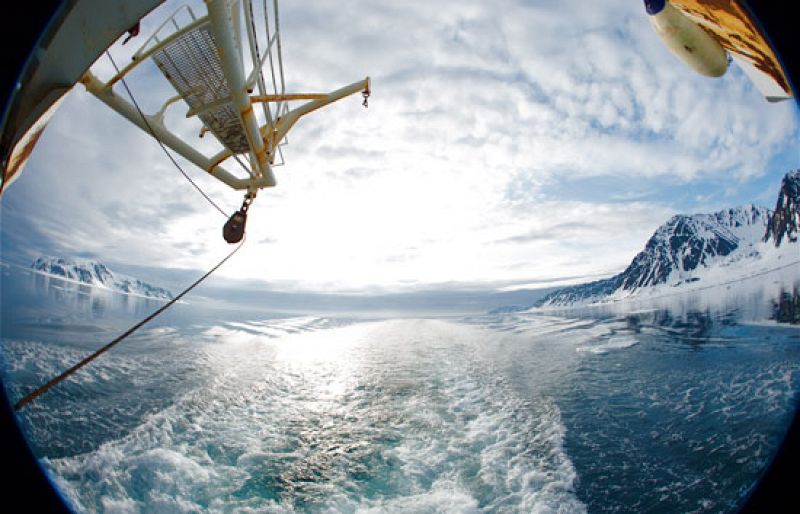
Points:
[98,275]
[685,248]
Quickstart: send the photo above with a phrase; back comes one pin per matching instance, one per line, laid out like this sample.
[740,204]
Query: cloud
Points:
[557,232]
[484,121]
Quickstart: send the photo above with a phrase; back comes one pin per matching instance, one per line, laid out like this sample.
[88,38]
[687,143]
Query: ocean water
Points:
[656,409]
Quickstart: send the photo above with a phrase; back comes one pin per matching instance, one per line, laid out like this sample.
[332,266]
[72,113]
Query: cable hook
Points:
[233,230]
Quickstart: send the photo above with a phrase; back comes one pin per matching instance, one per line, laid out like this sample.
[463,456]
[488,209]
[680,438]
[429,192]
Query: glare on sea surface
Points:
[323,365]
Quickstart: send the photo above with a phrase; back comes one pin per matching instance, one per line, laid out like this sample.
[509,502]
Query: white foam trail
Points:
[376,417]
[613,343]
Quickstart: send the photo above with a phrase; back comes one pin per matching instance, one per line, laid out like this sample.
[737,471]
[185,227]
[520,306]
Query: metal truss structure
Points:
[206,59]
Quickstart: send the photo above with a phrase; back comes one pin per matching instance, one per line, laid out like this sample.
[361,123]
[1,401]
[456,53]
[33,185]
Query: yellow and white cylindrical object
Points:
[688,40]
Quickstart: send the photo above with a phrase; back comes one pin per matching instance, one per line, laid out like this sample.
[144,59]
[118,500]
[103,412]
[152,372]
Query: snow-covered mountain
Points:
[785,221]
[687,248]
[98,275]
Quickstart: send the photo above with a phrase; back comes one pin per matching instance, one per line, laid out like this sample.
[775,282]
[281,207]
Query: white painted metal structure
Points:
[63,53]
[204,58]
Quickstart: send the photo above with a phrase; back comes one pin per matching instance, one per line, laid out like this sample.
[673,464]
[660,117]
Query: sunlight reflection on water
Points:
[604,409]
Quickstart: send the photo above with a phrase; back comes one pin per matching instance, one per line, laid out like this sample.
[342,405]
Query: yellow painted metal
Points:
[223,31]
[273,133]
[288,96]
[153,125]
[258,99]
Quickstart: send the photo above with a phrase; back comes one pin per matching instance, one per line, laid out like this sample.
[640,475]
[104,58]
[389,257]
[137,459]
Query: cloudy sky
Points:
[506,143]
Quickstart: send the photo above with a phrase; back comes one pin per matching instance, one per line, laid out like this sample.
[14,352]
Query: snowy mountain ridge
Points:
[688,249]
[98,275]
[785,222]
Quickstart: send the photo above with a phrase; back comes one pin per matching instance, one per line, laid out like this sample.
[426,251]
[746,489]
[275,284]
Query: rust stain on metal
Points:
[731,25]
[20,155]
[269,137]
[289,96]
[219,161]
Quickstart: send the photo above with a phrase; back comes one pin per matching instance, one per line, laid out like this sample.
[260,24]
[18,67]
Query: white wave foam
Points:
[613,343]
[392,416]
[445,496]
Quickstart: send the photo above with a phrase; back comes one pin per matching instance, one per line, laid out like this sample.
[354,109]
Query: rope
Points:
[69,372]
[46,387]
[152,133]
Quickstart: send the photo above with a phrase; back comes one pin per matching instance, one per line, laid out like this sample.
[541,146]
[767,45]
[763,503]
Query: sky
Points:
[507,144]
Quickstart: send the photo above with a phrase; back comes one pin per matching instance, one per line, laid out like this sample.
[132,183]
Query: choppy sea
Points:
[657,409]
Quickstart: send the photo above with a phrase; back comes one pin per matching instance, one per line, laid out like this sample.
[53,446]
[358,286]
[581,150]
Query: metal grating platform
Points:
[191,64]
